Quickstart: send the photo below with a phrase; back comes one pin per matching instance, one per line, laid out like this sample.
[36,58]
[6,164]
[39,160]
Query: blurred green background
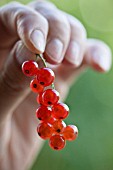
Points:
[90,99]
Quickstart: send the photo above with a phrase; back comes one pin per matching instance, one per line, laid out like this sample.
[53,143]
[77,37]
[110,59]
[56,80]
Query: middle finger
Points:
[59,32]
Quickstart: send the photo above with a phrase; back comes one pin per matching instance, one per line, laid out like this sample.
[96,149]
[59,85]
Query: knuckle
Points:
[77,28]
[41,5]
[9,10]
[12,4]
[59,24]
[59,19]
[54,16]
[27,17]
[59,27]
[24,12]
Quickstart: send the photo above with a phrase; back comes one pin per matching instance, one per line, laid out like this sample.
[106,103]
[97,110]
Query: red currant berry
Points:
[30,68]
[51,120]
[59,126]
[45,76]
[70,132]
[44,130]
[39,99]
[57,142]
[60,111]
[36,87]
[50,97]
[43,113]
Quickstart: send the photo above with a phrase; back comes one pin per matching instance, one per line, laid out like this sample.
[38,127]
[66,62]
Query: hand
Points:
[25,31]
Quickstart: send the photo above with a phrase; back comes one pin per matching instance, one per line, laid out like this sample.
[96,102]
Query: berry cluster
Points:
[51,112]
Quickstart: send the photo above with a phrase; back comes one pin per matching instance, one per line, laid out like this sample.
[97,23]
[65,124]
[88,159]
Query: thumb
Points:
[14,86]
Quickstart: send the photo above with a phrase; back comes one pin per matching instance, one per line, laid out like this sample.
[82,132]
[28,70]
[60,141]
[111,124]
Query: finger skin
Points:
[14,85]
[72,39]
[20,22]
[17,123]
[98,55]
[59,32]
[12,95]
[75,51]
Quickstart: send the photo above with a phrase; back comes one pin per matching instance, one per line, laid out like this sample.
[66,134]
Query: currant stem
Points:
[53,86]
[45,65]
[43,60]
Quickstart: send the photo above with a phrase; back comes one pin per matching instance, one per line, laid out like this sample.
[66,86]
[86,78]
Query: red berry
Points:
[30,68]
[57,142]
[51,120]
[36,87]
[59,126]
[44,130]
[70,132]
[43,113]
[50,97]
[45,76]
[60,111]
[39,99]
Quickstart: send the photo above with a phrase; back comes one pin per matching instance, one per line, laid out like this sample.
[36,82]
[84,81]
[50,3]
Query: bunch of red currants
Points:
[51,112]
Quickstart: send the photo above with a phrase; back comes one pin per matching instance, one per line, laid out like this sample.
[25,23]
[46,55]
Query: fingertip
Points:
[98,55]
[74,54]
[54,51]
[32,29]
[50,60]
[38,41]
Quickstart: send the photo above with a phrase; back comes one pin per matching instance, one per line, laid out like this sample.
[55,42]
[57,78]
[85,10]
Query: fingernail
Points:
[73,53]
[102,59]
[54,50]
[37,39]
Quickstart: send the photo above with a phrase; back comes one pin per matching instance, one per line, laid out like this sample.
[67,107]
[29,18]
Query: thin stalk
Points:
[43,60]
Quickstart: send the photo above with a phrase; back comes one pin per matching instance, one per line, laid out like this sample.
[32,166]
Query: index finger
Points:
[21,22]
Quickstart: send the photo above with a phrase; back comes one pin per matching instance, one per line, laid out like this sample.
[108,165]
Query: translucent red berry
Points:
[60,111]
[50,97]
[44,130]
[59,126]
[39,99]
[57,142]
[43,113]
[70,132]
[50,120]
[45,76]
[36,87]
[30,68]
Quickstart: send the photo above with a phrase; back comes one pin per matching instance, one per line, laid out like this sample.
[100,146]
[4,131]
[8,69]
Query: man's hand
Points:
[25,31]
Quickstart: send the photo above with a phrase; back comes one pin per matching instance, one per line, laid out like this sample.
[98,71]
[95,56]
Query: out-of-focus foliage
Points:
[90,99]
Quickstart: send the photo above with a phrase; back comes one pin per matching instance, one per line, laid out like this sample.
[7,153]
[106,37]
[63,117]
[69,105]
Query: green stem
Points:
[53,86]
[45,65]
[43,60]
